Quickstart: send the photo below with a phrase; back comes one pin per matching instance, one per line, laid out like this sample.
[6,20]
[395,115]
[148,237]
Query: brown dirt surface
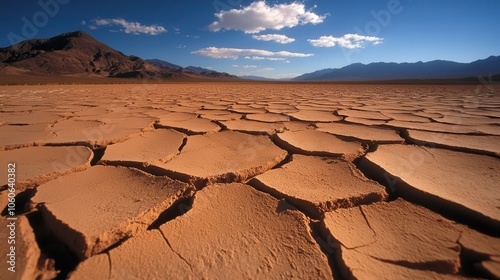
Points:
[256,236]
[254,127]
[137,258]
[118,203]
[250,180]
[361,132]
[318,185]
[459,181]
[188,123]
[160,145]
[266,117]
[223,157]
[314,116]
[37,165]
[475,143]
[314,142]
[399,237]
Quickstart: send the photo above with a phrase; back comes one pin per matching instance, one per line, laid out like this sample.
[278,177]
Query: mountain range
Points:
[437,69]
[191,71]
[257,78]
[79,54]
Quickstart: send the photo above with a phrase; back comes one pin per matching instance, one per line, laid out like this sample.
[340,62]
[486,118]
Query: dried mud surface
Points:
[252,181]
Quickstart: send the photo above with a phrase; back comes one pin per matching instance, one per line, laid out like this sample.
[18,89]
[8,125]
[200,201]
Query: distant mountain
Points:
[163,64]
[198,69]
[190,70]
[313,75]
[74,53]
[256,78]
[77,54]
[437,69]
[207,72]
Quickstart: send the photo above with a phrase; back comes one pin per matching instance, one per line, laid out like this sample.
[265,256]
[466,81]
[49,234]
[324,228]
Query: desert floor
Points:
[250,181]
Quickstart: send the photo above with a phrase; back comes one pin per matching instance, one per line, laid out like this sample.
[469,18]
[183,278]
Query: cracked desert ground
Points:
[252,181]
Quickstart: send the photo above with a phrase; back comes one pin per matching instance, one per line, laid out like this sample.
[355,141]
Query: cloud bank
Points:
[234,53]
[282,39]
[349,41]
[258,17]
[129,27]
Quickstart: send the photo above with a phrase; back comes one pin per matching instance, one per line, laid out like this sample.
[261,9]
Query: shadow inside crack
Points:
[64,260]
[98,154]
[329,247]
[177,209]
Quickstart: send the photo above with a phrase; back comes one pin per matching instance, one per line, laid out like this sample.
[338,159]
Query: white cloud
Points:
[282,39]
[102,22]
[350,41]
[83,22]
[235,65]
[233,53]
[265,58]
[290,54]
[275,58]
[255,58]
[130,27]
[258,17]
[249,66]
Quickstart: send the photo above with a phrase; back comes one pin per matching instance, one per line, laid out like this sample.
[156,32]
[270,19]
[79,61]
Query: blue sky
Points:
[276,39]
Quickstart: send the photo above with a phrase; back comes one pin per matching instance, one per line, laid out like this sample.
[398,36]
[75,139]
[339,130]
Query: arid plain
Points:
[252,181]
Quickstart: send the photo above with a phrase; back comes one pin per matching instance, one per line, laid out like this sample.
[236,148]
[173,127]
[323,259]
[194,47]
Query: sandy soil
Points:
[252,181]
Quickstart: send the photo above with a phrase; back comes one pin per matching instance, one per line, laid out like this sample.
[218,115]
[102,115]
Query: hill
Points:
[190,71]
[437,69]
[78,55]
[163,64]
[75,53]
[257,78]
